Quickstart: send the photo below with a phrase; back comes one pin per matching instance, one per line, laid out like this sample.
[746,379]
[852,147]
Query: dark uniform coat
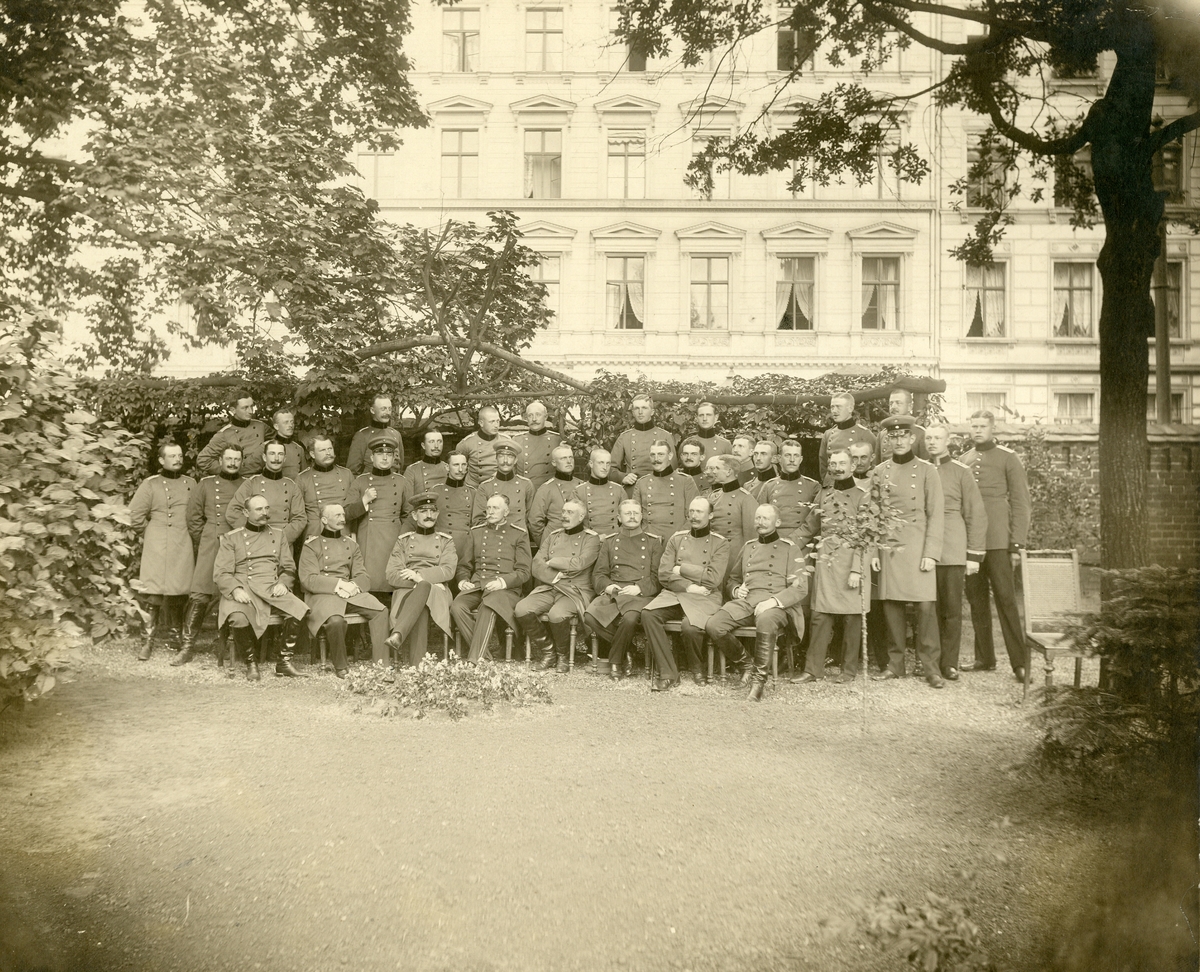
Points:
[206,523]
[548,501]
[433,556]
[625,558]
[601,501]
[295,459]
[713,444]
[793,495]
[378,528]
[733,516]
[249,436]
[573,555]
[533,461]
[1001,480]
[914,490]
[358,459]
[160,505]
[842,436]
[769,570]
[965,535]
[480,451]
[287,506]
[517,488]
[833,562]
[423,475]
[701,560]
[323,562]
[320,487]
[631,451]
[883,448]
[455,504]
[497,552]
[255,561]
[665,500]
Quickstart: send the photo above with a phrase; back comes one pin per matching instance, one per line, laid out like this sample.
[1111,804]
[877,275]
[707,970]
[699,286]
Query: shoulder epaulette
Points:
[447,536]
[202,478]
[1005,448]
[227,425]
[312,538]
[924,461]
[963,464]
[859,425]
[654,535]
[592,532]
[681,533]
[518,526]
[719,536]
[791,543]
[406,533]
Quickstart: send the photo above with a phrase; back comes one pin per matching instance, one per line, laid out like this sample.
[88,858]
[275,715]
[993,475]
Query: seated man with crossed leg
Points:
[422,563]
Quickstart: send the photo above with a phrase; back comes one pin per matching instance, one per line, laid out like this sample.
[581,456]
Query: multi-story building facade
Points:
[536,108]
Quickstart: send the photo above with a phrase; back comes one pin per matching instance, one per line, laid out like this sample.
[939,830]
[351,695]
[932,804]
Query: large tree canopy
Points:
[1005,66]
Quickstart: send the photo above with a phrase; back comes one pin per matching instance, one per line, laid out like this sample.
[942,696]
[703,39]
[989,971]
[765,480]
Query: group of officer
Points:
[712,534]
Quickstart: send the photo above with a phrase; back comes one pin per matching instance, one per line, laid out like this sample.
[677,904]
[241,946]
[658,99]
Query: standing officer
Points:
[845,431]
[906,572]
[767,583]
[600,497]
[518,489]
[378,503]
[712,443]
[900,402]
[490,574]
[791,493]
[631,451]
[549,497]
[160,506]
[294,459]
[1001,480]
[430,469]
[862,458]
[563,570]
[691,463]
[743,456]
[763,460]
[254,571]
[664,495]
[359,457]
[839,587]
[692,570]
[206,523]
[455,500]
[334,579]
[733,506]
[322,483]
[244,431]
[479,446]
[422,563]
[626,579]
[964,543]
[535,458]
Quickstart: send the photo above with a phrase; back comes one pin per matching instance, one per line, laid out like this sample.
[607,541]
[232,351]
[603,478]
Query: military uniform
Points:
[571,553]
[733,515]
[631,452]
[964,538]
[602,501]
[624,559]
[533,461]
[517,488]
[358,459]
[713,444]
[206,522]
[455,502]
[547,504]
[665,496]
[376,530]
[320,488]
[287,506]
[248,436]
[295,459]
[883,448]
[424,474]
[326,559]
[702,557]
[160,505]
[492,553]
[1001,480]
[793,495]
[842,436]
[432,555]
[759,481]
[480,450]
[699,477]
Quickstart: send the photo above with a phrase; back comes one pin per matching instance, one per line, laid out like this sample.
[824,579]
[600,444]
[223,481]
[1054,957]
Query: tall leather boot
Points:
[764,646]
[287,642]
[248,645]
[223,647]
[334,633]
[560,636]
[531,627]
[155,612]
[192,619]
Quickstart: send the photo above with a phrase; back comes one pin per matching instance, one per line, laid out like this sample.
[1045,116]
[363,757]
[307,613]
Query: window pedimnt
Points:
[718,115]
[627,237]
[883,237]
[555,237]
[796,237]
[542,110]
[711,237]
[624,104]
[459,111]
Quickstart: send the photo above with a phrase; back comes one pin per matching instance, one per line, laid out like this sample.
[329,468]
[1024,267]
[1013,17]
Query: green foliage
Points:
[65,537]
[1066,504]
[937,935]
[449,686]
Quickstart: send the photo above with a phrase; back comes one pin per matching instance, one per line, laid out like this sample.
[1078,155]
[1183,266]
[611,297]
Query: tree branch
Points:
[900,24]
[1169,133]
[120,229]
[962,13]
[1068,145]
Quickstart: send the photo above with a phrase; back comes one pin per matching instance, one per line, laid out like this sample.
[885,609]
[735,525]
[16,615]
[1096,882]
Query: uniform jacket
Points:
[533,461]
[1001,480]
[965,535]
[358,459]
[793,495]
[377,529]
[206,522]
[423,475]
[255,561]
[325,560]
[700,478]
[883,448]
[914,489]
[250,436]
[842,436]
[759,481]
[601,501]
[497,552]
[713,444]
[769,570]
[702,560]
[295,459]
[631,451]
[433,556]
[573,555]
[160,504]
[480,451]
[287,506]
[625,558]
[733,516]
[517,488]
[319,487]
[455,504]
[665,500]
[547,504]
[833,562]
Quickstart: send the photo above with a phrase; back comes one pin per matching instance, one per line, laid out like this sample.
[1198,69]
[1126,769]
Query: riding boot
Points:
[155,611]
[764,647]
[191,622]
[248,645]
[560,636]
[223,646]
[287,643]
[532,628]
[334,633]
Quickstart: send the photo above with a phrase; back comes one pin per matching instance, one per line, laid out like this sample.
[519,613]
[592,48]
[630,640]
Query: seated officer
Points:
[767,583]
[334,579]
[563,570]
[422,563]
[254,572]
[626,576]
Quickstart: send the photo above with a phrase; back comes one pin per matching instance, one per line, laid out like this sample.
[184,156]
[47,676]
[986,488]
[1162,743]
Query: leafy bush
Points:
[436,684]
[65,538]
[1066,504]
[937,935]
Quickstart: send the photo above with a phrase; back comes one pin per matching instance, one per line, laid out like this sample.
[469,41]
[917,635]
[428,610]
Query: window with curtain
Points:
[985,174]
[548,273]
[625,292]
[460,41]
[1073,300]
[880,293]
[985,301]
[627,165]
[543,163]
[710,293]
[1176,407]
[1167,171]
[994,402]
[794,294]
[1174,297]
[794,49]
[543,40]
[1071,407]
[460,162]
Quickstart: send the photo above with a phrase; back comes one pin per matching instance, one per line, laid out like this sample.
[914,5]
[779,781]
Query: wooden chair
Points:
[508,646]
[1050,590]
[354,620]
[674,627]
